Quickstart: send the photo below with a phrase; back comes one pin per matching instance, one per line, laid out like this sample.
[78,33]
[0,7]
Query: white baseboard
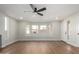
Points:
[71,43]
[39,40]
[4,45]
[68,42]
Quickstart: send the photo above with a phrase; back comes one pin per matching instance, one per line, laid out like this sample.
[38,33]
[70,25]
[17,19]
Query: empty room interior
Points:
[39,28]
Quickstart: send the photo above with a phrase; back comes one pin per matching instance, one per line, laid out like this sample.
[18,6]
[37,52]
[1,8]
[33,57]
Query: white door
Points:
[77,31]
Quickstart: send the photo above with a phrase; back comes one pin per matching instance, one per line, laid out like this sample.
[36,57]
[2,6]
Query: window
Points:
[34,28]
[6,24]
[43,27]
[27,29]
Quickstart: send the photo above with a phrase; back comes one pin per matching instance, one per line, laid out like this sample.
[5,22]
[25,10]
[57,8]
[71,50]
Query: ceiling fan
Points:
[35,10]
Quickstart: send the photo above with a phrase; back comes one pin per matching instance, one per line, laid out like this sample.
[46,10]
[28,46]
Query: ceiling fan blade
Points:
[32,6]
[40,14]
[42,9]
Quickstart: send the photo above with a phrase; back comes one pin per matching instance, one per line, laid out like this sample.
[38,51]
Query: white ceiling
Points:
[53,12]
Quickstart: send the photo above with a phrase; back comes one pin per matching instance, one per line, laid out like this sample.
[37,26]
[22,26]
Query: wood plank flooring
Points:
[40,47]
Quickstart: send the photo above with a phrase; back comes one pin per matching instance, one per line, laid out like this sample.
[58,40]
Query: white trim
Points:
[4,45]
[39,40]
[71,43]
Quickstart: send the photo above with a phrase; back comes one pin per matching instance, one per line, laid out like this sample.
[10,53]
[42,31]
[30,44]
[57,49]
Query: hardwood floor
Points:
[40,47]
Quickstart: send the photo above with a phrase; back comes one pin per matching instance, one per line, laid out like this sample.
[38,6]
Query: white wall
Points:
[8,36]
[73,30]
[56,29]
[12,31]
[2,27]
[54,33]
